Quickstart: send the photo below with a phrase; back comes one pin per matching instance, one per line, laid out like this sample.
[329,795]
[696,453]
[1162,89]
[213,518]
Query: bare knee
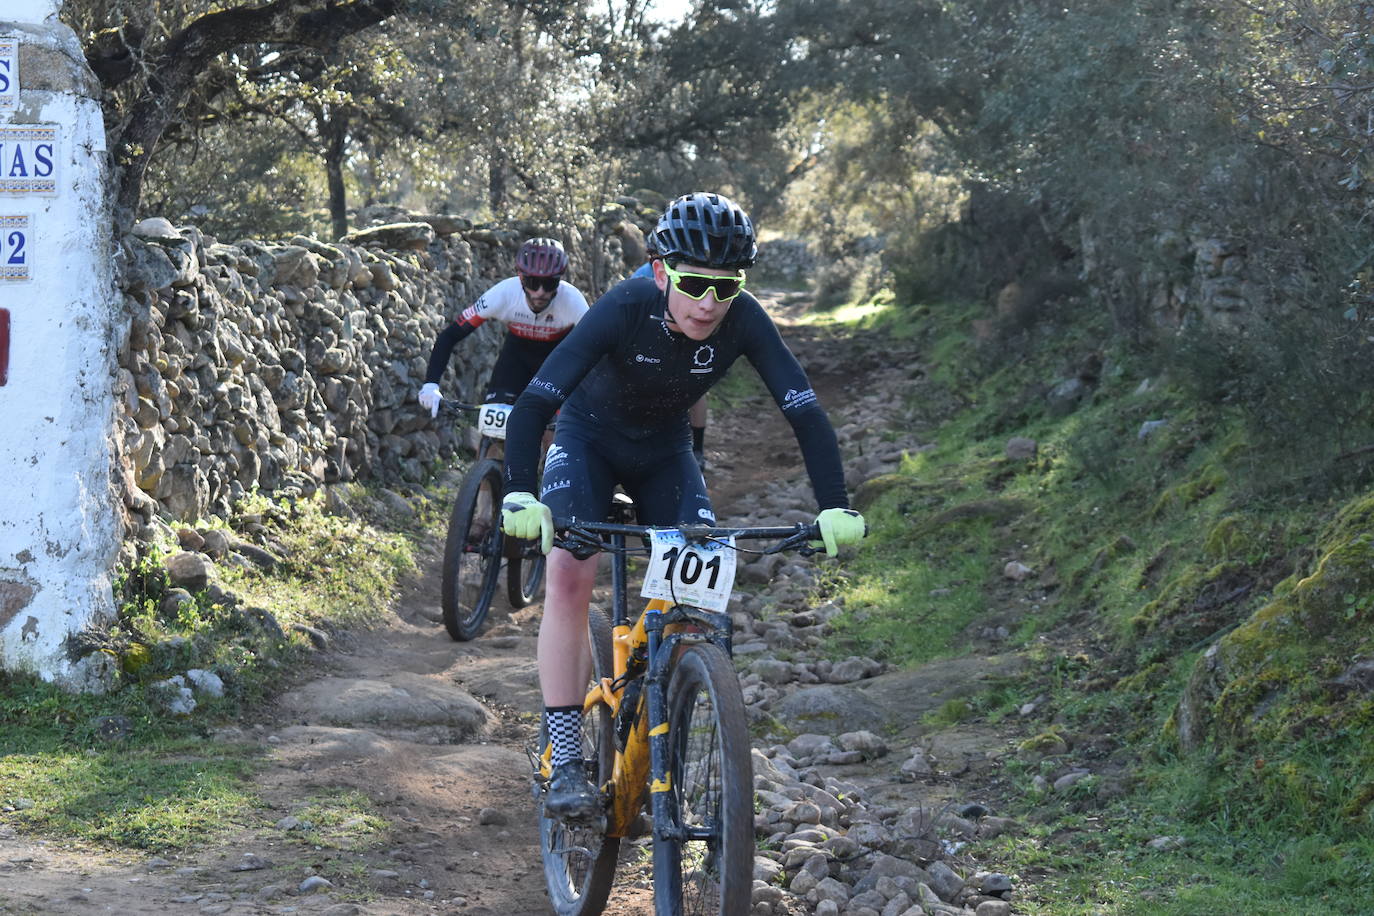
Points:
[569,580]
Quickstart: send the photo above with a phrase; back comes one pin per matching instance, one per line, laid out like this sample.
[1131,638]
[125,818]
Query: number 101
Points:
[692,566]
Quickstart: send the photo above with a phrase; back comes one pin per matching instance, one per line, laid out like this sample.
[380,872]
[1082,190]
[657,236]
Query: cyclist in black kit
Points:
[539,309]
[624,379]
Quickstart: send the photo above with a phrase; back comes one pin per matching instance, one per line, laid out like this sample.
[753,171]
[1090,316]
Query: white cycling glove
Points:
[429,398]
[524,517]
[840,527]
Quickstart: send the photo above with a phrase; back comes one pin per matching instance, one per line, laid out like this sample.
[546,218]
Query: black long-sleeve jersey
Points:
[622,368]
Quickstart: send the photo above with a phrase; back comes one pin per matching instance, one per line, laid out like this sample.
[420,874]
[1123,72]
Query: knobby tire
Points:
[472,551]
[712,786]
[579,861]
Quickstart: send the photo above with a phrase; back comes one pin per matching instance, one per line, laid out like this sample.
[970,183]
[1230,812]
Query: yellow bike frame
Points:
[630,775]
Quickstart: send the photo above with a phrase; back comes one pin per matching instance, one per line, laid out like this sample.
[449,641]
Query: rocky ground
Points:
[864,812]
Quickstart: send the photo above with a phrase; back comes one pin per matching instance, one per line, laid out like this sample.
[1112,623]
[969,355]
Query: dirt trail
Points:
[378,721]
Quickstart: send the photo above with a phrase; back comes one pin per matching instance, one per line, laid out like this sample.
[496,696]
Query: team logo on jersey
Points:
[641,358]
[556,456]
[794,398]
[701,360]
[550,387]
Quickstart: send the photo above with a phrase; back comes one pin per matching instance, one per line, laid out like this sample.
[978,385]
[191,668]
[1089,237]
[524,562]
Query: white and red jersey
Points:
[506,303]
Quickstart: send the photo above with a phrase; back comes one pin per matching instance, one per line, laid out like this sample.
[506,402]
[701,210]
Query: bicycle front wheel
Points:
[579,859]
[712,858]
[472,551]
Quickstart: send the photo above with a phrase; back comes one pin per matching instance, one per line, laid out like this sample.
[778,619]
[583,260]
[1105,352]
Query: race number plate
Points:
[491,420]
[698,574]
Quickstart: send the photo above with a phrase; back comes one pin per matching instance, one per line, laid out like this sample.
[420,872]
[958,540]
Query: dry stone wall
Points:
[270,366]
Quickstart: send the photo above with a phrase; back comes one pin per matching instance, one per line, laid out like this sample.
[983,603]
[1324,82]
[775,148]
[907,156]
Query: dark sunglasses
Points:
[547,284]
[696,286]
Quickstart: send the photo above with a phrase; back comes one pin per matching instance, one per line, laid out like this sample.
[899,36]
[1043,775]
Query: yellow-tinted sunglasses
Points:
[696,286]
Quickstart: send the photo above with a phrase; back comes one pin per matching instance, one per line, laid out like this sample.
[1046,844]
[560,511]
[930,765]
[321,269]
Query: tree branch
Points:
[312,23]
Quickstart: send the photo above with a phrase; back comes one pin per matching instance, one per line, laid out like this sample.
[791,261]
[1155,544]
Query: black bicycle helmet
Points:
[542,257]
[706,229]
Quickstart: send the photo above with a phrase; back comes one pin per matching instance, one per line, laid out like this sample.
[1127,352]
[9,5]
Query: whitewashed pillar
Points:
[59,534]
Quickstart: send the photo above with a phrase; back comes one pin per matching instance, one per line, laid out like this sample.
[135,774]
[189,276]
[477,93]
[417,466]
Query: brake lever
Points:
[800,542]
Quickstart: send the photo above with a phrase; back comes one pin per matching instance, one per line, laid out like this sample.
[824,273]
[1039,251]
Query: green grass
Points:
[336,569]
[117,770]
[165,787]
[346,821]
[1104,865]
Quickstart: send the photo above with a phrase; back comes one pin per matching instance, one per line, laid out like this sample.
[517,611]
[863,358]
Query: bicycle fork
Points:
[668,832]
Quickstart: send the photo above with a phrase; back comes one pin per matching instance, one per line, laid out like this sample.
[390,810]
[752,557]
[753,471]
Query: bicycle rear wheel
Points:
[579,860]
[524,572]
[472,551]
[712,786]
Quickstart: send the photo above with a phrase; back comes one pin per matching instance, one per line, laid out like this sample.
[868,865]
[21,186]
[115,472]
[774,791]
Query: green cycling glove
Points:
[524,517]
[838,527]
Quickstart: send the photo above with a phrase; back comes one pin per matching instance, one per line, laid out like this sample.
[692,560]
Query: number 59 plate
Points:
[699,574]
[491,420]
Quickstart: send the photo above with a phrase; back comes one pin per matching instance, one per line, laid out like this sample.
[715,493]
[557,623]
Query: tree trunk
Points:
[496,179]
[335,133]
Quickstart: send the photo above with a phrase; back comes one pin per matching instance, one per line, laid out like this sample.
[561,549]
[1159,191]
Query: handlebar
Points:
[448,405]
[573,532]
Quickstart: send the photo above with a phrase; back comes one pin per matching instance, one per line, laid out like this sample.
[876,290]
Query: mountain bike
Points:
[475,548]
[664,719]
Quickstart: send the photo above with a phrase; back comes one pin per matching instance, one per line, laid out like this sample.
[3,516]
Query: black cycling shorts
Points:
[586,462]
[510,375]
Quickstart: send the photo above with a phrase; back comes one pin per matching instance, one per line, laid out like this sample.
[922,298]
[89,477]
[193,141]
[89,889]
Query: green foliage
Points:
[332,568]
[1209,630]
[951,712]
[1301,382]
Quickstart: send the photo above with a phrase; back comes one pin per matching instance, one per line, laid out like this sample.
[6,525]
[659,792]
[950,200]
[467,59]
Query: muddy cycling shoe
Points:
[569,796]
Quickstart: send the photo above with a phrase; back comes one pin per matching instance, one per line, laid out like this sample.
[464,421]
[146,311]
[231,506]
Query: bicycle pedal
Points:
[597,821]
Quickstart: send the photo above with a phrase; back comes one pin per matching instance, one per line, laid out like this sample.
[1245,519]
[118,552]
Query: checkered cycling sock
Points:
[565,732]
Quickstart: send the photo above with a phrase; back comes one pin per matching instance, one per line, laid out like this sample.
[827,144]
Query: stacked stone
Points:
[270,366]
[786,260]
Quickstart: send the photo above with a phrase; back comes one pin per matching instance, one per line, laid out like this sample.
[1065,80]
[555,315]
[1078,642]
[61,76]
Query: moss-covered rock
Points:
[1045,744]
[998,510]
[1286,689]
[1233,537]
[873,489]
[1195,591]
[1190,491]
